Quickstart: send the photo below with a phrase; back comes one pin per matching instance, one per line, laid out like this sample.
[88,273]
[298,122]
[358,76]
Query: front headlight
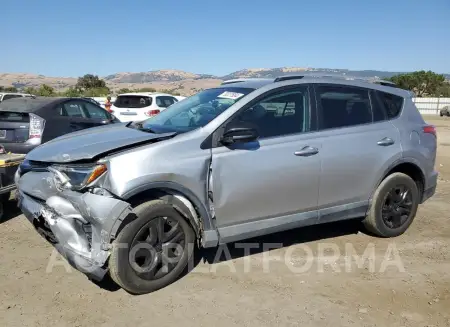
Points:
[76,177]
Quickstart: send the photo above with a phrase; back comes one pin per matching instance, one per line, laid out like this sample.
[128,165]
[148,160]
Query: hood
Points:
[90,143]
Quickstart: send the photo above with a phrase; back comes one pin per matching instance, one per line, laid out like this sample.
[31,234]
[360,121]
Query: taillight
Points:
[429,129]
[153,112]
[36,126]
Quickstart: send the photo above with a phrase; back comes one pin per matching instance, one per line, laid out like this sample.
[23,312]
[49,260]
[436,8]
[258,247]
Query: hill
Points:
[186,83]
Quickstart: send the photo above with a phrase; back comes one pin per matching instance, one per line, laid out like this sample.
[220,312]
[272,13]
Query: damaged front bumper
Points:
[81,226]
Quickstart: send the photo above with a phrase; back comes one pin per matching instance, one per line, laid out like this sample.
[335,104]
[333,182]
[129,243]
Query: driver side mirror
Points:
[239,134]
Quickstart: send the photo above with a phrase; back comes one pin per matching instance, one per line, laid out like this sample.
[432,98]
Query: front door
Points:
[273,181]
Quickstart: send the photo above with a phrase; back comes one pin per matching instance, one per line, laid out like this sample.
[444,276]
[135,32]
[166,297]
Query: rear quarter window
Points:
[392,104]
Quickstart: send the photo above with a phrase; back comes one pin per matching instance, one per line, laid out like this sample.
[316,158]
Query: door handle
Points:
[386,141]
[307,151]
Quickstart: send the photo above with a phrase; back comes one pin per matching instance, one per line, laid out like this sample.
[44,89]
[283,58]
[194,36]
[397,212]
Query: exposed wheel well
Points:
[412,171]
[166,195]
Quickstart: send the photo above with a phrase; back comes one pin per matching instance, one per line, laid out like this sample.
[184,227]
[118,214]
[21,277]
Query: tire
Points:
[441,114]
[122,270]
[374,221]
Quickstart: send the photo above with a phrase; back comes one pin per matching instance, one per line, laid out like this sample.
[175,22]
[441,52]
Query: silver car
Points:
[244,159]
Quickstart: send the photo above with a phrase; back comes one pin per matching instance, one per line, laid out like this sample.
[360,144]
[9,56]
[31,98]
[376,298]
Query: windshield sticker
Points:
[230,95]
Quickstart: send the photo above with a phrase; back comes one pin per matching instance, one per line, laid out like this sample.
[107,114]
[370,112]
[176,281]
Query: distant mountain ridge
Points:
[183,82]
[178,75]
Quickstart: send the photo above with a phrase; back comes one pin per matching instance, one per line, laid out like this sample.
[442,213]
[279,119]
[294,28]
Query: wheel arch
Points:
[408,166]
[182,199]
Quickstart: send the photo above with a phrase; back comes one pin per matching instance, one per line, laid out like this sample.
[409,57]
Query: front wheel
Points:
[153,250]
[394,206]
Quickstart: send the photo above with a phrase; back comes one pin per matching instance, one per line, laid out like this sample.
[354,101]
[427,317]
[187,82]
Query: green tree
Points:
[443,91]
[96,92]
[146,89]
[422,83]
[124,90]
[30,90]
[10,89]
[90,81]
[71,92]
[46,91]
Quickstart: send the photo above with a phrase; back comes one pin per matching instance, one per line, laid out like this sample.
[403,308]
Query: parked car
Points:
[445,111]
[229,163]
[26,123]
[8,95]
[139,106]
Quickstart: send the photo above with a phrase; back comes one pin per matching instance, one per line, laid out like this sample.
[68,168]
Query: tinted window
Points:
[342,106]
[95,112]
[378,111]
[11,96]
[282,113]
[72,109]
[165,101]
[392,104]
[132,101]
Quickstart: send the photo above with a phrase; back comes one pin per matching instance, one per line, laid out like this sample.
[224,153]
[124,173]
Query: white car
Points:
[9,95]
[140,106]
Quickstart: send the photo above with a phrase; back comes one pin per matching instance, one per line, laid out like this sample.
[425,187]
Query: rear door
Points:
[75,116]
[358,144]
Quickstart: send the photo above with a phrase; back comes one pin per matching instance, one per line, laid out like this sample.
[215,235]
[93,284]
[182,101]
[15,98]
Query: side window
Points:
[392,103]
[165,101]
[285,112]
[72,109]
[11,96]
[95,112]
[342,106]
[379,114]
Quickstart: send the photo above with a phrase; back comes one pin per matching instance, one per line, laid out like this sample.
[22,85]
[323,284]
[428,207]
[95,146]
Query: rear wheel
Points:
[394,206]
[153,250]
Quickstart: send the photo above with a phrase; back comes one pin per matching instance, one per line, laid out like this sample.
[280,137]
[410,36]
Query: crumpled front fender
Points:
[84,223]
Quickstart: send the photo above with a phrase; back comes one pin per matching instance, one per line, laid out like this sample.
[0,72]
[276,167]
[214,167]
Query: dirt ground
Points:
[410,289]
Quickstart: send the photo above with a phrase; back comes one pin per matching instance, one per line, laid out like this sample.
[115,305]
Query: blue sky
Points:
[71,38]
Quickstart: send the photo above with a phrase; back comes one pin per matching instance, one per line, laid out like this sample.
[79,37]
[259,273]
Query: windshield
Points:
[195,111]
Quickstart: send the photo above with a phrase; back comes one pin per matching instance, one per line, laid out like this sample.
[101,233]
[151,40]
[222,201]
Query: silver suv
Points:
[244,159]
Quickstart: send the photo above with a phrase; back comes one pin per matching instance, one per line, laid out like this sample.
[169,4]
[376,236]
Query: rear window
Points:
[132,101]
[392,104]
[14,116]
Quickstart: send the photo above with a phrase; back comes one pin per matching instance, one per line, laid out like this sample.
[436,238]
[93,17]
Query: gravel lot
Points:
[412,289]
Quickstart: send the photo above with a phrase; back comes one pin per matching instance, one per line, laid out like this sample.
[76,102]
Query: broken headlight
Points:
[76,177]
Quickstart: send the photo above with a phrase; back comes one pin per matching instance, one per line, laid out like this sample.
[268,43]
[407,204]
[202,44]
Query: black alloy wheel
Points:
[397,206]
[157,248]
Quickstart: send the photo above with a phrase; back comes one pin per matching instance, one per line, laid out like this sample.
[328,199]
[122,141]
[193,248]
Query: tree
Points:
[124,90]
[30,90]
[422,82]
[146,89]
[443,91]
[46,91]
[96,92]
[71,92]
[10,89]
[90,81]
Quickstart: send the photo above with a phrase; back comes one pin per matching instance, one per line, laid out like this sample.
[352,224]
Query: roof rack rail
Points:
[288,77]
[238,80]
